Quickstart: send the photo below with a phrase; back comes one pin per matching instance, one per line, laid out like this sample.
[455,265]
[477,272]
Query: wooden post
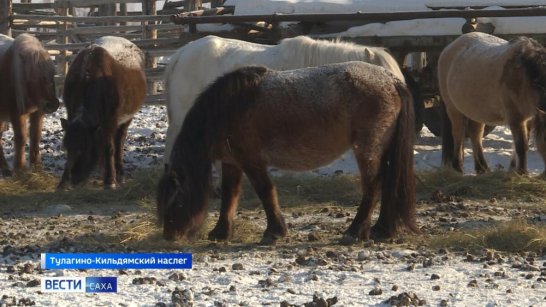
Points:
[62,63]
[149,8]
[6,9]
[216,3]
[192,5]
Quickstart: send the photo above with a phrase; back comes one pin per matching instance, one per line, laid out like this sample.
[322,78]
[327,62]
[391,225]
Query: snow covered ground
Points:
[355,276]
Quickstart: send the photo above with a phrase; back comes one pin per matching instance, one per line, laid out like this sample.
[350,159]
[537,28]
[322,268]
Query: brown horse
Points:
[105,86]
[483,80]
[299,120]
[27,92]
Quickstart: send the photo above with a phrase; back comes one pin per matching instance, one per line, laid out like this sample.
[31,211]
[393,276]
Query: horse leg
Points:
[19,124]
[4,167]
[264,187]
[121,135]
[231,190]
[475,132]
[36,124]
[458,131]
[521,144]
[370,181]
[109,179]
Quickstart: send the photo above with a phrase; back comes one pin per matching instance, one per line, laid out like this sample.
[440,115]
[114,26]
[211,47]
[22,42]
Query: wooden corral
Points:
[64,32]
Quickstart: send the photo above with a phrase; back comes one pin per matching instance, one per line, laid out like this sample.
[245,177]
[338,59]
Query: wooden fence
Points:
[63,33]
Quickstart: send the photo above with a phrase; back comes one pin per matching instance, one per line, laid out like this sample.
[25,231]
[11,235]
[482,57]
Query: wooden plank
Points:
[93,19]
[88,3]
[24,7]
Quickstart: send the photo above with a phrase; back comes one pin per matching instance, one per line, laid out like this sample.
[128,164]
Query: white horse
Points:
[197,64]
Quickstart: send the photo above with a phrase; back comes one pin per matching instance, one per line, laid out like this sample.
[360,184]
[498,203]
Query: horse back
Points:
[470,72]
[323,107]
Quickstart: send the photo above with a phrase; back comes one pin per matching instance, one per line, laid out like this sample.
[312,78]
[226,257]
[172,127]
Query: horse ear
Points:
[64,123]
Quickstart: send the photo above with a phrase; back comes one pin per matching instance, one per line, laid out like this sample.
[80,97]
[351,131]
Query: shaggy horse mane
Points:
[30,61]
[532,56]
[325,51]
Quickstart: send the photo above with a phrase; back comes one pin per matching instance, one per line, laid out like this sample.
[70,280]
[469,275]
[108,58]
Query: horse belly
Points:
[306,152]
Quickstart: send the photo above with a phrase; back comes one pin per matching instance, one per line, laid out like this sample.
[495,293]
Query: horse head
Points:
[174,210]
[82,147]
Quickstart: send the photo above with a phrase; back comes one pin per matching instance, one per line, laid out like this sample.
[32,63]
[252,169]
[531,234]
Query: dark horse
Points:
[299,120]
[27,92]
[104,88]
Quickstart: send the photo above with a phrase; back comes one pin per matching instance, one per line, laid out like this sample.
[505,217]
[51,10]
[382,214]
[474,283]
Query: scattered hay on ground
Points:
[495,184]
[514,236]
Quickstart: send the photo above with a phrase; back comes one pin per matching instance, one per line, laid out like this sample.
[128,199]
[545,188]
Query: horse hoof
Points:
[348,240]
[111,186]
[7,173]
[269,239]
[217,235]
[378,232]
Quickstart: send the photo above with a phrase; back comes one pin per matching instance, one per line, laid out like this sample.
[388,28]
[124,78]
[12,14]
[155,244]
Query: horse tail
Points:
[447,138]
[418,103]
[398,184]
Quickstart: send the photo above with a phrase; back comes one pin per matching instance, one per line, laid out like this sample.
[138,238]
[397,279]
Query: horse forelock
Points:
[320,52]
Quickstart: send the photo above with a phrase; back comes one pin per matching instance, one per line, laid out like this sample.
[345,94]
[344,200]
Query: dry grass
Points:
[295,191]
[513,236]
[496,184]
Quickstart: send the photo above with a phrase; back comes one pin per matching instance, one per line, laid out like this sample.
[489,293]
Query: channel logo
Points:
[80,284]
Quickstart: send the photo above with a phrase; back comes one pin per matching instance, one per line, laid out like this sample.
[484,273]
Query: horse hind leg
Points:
[264,187]
[230,193]
[521,144]
[369,167]
[4,167]
[475,132]
[19,124]
[36,124]
[119,143]
[457,121]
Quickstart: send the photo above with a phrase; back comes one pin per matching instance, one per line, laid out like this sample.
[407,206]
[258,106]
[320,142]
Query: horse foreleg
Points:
[19,124]
[475,132]
[361,226]
[264,187]
[109,179]
[36,124]
[231,190]
[119,141]
[4,167]
[521,144]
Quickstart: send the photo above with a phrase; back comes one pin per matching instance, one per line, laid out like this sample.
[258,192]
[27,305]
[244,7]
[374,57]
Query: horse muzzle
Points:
[50,106]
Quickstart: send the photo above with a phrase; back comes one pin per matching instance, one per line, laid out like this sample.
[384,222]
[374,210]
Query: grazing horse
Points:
[483,80]
[105,86]
[299,120]
[197,64]
[27,92]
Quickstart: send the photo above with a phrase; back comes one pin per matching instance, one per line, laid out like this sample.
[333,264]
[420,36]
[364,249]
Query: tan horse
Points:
[299,120]
[483,80]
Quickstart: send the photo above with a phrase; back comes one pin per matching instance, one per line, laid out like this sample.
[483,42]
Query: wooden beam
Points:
[93,19]
[5,16]
[366,17]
